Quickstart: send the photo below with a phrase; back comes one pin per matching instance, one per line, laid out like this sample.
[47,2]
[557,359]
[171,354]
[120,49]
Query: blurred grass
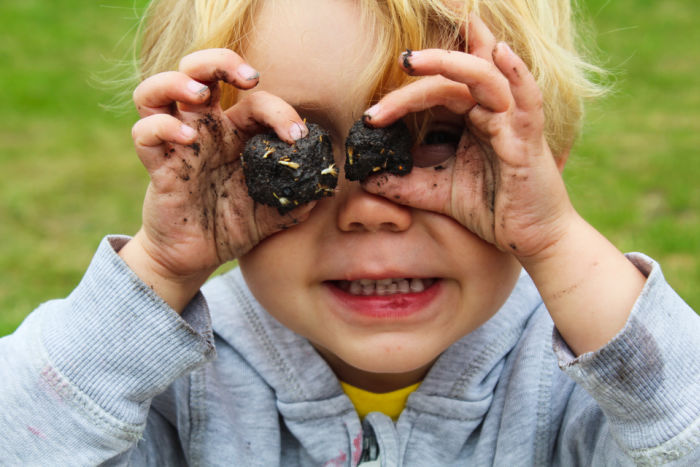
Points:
[635,172]
[68,170]
[69,174]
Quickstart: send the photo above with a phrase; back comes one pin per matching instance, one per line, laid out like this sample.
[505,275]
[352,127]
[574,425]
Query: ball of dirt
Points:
[370,151]
[287,176]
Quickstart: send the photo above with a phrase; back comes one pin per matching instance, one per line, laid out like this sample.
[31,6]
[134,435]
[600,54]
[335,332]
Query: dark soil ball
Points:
[370,151]
[287,176]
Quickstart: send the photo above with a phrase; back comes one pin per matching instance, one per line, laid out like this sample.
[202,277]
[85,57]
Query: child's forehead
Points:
[310,53]
[330,36]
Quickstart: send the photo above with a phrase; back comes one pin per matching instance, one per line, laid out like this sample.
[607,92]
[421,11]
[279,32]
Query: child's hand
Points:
[503,184]
[197,213]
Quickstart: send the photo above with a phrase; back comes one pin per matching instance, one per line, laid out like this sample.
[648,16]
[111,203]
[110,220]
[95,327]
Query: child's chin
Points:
[396,359]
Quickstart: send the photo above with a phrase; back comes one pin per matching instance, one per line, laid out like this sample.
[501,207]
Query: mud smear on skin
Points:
[192,166]
[287,176]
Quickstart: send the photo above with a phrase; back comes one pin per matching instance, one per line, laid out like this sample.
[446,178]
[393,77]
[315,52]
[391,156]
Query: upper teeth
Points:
[385,286]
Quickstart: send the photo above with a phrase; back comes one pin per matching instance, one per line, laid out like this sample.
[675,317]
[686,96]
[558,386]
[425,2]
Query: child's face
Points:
[309,53]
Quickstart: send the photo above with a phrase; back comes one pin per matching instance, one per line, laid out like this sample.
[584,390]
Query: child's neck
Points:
[373,382]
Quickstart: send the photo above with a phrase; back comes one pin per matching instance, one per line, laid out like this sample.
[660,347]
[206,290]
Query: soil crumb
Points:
[287,176]
[370,151]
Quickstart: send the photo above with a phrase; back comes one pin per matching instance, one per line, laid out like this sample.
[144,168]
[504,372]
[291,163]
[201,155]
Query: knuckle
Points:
[145,129]
[135,96]
[135,129]
[201,57]
[394,99]
[142,89]
[164,123]
[259,97]
[186,61]
[225,53]
[493,126]
[539,103]
[137,133]
[258,101]
[537,94]
[150,86]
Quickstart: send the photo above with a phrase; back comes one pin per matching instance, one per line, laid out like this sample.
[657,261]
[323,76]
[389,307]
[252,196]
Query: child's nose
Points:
[362,211]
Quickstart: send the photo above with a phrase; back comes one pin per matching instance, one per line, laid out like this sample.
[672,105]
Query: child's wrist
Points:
[587,284]
[562,260]
[176,290]
[562,240]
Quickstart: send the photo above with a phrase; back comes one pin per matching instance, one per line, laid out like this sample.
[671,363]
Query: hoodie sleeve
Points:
[79,374]
[646,382]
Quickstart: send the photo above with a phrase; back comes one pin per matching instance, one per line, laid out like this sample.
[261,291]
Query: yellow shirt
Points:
[388,403]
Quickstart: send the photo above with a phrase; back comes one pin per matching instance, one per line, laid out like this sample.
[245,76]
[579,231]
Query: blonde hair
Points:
[542,32]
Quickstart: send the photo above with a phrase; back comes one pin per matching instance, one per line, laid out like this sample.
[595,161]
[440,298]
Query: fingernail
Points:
[187,131]
[501,46]
[407,57]
[247,72]
[197,88]
[371,112]
[297,131]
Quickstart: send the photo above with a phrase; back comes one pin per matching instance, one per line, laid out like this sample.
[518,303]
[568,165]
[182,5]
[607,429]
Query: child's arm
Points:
[504,185]
[197,213]
[79,374]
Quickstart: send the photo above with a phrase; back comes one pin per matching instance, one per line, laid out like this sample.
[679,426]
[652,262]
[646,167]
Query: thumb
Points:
[426,188]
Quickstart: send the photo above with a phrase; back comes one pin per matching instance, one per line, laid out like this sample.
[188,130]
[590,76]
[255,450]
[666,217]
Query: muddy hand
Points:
[503,183]
[197,213]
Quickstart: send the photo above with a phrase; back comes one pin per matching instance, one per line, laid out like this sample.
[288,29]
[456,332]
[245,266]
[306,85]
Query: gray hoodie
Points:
[112,375]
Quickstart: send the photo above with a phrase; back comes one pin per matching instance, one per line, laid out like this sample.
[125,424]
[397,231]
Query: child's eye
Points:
[438,145]
[440,137]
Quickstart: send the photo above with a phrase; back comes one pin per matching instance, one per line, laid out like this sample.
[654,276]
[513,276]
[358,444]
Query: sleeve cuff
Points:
[118,342]
[647,378]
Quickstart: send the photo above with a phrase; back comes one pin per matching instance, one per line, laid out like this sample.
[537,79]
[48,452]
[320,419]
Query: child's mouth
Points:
[382,287]
[396,298]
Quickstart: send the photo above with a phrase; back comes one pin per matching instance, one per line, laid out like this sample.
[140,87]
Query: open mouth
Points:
[383,287]
[396,298]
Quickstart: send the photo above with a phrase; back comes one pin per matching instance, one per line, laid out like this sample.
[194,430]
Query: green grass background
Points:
[69,174]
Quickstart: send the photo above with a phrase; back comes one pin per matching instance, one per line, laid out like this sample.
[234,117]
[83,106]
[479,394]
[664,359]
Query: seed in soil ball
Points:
[370,151]
[287,176]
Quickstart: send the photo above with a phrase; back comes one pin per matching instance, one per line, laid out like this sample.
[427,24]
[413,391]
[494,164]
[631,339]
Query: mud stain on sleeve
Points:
[643,379]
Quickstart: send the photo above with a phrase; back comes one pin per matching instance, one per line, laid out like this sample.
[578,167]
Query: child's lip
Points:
[393,306]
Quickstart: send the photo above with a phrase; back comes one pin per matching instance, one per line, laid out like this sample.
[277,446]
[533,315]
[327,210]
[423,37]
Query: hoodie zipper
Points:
[370,448]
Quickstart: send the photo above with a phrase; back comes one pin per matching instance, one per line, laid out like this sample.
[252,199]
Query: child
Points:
[446,284]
